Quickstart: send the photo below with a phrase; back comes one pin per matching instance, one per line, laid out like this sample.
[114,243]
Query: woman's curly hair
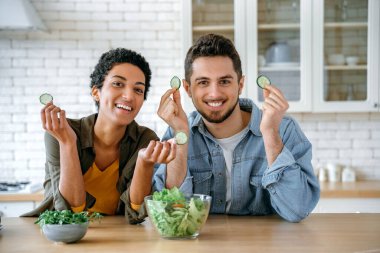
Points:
[116,56]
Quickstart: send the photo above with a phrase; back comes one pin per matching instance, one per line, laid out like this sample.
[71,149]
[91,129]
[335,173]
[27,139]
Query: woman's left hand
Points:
[158,152]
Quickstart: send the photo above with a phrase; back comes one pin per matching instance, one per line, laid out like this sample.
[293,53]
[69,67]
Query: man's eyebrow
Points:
[125,79]
[225,77]
[201,78]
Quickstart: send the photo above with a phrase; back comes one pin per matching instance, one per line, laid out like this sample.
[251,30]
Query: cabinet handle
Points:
[376,105]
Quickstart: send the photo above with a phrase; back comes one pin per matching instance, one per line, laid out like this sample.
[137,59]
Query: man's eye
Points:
[202,83]
[224,82]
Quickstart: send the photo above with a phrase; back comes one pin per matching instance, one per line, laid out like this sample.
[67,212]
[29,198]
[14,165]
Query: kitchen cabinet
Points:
[323,55]
[15,204]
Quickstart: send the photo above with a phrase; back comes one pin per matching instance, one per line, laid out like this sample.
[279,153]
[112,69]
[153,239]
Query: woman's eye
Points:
[139,91]
[117,84]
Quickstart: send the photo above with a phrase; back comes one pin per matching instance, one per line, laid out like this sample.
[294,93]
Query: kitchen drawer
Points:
[15,209]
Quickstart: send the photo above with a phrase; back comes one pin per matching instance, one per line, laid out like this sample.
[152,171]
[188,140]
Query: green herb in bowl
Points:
[176,216]
[65,226]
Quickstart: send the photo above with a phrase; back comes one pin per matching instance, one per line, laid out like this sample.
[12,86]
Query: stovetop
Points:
[19,187]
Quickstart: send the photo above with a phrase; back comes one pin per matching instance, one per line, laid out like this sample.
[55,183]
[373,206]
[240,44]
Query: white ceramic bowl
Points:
[336,59]
[179,222]
[352,60]
[67,233]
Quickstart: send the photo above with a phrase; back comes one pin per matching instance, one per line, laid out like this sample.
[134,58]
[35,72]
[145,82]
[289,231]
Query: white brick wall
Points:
[60,61]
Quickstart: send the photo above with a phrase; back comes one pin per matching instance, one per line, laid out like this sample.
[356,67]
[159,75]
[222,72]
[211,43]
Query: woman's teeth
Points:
[125,107]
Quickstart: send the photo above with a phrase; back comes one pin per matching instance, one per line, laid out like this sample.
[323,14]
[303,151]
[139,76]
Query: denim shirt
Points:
[288,187]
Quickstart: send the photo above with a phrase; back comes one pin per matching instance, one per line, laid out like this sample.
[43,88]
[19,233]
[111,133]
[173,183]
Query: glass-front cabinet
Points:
[278,36]
[323,55]
[346,59]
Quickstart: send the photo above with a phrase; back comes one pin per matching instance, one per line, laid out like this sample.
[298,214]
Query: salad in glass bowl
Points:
[176,216]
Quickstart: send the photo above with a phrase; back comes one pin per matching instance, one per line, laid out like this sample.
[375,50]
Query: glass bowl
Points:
[179,221]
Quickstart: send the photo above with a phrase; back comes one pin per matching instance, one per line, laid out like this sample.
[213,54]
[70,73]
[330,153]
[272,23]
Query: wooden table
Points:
[317,233]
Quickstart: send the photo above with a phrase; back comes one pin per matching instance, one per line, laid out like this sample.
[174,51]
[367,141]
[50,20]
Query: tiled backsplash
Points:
[59,62]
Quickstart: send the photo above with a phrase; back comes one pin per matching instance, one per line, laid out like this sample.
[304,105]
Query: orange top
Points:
[102,185]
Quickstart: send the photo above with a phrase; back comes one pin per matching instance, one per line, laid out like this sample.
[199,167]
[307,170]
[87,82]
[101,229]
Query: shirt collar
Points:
[87,131]
[245,104]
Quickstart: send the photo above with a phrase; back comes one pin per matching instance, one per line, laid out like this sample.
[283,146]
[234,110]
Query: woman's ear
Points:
[95,93]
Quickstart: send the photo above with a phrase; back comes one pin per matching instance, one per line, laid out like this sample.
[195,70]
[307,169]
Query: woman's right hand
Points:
[55,123]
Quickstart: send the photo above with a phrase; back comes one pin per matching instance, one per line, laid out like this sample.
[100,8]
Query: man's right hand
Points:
[171,111]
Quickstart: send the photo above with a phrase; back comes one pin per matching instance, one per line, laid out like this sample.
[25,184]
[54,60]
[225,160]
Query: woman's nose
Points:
[127,93]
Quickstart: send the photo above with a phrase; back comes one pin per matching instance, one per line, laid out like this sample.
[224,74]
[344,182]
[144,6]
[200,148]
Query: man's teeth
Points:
[215,104]
[125,107]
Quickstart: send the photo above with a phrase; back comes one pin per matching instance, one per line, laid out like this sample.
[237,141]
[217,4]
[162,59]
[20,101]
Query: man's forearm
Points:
[273,145]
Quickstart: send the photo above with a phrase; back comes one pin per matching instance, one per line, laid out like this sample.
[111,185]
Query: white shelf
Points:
[212,28]
[346,67]
[273,69]
[285,26]
[346,25]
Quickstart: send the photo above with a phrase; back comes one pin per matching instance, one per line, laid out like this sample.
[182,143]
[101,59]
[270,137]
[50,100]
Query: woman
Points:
[104,162]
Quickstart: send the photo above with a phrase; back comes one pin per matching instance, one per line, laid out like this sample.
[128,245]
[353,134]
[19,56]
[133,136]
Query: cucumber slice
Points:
[181,138]
[262,81]
[175,82]
[46,98]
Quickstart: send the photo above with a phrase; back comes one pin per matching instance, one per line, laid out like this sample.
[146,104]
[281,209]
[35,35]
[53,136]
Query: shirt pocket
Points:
[255,181]
[202,181]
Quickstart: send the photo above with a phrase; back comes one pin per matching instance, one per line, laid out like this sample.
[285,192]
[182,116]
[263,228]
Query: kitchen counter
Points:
[317,233]
[359,189]
[37,196]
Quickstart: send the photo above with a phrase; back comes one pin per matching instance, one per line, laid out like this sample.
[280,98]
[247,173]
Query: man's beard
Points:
[214,116]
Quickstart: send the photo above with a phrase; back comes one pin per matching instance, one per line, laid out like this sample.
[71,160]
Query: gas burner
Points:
[13,186]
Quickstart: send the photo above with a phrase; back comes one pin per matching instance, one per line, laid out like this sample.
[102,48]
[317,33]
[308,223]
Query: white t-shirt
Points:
[228,146]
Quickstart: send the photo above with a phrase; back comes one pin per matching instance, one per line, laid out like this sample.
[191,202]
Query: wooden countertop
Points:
[317,233]
[359,189]
[13,197]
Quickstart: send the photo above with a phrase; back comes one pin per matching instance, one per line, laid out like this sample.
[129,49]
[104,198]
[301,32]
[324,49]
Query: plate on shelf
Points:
[283,64]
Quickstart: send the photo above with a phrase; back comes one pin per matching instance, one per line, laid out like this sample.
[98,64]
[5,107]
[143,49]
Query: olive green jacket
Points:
[136,137]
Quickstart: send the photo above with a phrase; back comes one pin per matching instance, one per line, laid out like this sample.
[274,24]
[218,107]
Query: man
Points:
[251,161]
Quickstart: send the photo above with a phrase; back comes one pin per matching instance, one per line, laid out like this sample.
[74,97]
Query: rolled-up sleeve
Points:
[159,180]
[290,180]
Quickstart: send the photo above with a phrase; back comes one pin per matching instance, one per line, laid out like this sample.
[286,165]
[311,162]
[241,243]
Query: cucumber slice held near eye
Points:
[263,81]
[175,82]
[181,138]
[46,98]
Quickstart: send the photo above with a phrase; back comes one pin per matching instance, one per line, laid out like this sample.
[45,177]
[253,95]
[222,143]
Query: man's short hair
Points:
[212,45]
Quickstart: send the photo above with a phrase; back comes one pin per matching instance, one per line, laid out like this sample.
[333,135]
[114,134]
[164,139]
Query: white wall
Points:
[60,62]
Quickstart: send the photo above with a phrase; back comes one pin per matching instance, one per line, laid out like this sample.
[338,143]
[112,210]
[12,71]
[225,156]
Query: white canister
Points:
[322,174]
[348,175]
[334,171]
